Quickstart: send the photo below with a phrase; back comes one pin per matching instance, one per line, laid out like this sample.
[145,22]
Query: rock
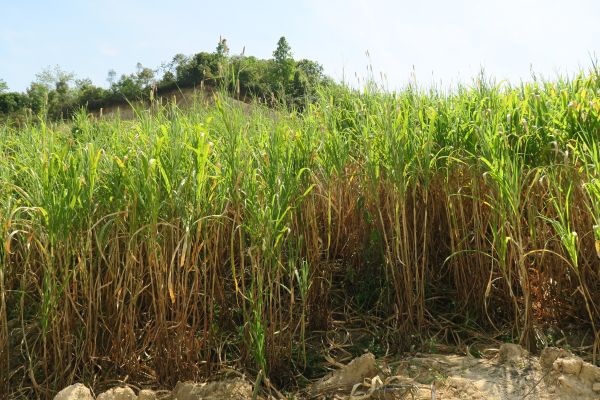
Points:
[569,366]
[463,388]
[236,388]
[77,391]
[550,354]
[575,378]
[118,393]
[589,373]
[571,386]
[146,394]
[355,372]
[185,390]
[510,353]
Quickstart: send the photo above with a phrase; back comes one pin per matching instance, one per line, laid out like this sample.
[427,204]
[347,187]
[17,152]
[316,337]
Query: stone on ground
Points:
[573,377]
[146,394]
[550,354]
[345,378]
[510,353]
[77,391]
[118,393]
[569,366]
[236,388]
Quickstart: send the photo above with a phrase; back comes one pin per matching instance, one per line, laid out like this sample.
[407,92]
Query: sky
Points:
[440,42]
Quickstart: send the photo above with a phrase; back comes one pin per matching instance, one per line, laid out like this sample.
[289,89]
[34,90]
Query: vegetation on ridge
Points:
[278,80]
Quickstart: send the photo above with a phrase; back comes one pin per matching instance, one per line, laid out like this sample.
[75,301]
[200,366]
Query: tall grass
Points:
[167,246]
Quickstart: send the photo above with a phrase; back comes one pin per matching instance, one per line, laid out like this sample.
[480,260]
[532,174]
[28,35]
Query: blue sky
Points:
[442,41]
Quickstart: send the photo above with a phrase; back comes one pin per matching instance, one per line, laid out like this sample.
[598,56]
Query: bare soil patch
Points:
[507,373]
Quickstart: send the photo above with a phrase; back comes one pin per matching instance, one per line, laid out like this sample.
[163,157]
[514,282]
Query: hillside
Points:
[57,94]
[184,243]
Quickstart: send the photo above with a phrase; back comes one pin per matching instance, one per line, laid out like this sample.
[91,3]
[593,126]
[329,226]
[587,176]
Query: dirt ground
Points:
[508,373]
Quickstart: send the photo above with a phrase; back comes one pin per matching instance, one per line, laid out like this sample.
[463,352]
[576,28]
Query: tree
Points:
[60,97]
[127,87]
[88,94]
[13,102]
[168,80]
[144,76]
[300,86]
[283,65]
[201,67]
[222,48]
[177,61]
[283,52]
[53,78]
[169,69]
[57,94]
[252,76]
[307,77]
[38,97]
[112,77]
[313,70]
[222,56]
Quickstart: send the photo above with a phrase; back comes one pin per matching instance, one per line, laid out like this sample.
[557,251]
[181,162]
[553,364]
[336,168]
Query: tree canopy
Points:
[281,79]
